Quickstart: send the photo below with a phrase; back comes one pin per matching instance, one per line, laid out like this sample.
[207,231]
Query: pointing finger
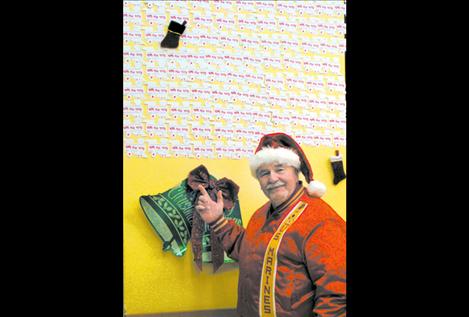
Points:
[202,190]
[219,195]
[220,199]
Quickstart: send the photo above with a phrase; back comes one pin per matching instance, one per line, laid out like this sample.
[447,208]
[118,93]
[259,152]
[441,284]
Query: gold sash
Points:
[269,268]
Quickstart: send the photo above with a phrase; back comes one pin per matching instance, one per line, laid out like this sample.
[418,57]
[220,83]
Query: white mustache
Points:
[274,185]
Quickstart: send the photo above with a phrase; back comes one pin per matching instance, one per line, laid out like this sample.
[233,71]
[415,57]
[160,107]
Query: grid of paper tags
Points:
[242,69]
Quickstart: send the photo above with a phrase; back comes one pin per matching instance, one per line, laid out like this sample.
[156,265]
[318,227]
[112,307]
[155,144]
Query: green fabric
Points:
[170,215]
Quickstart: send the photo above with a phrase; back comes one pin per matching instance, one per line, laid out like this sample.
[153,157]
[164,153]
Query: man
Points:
[292,253]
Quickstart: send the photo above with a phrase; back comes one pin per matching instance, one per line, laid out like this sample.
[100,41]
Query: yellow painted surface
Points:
[157,281]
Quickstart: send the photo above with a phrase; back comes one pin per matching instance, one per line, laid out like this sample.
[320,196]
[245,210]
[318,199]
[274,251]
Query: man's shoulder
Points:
[264,207]
[319,210]
[262,210]
[315,201]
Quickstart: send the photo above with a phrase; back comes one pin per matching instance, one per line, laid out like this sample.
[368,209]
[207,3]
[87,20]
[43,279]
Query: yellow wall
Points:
[157,281]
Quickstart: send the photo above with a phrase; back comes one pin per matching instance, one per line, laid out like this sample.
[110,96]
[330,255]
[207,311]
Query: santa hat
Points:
[281,148]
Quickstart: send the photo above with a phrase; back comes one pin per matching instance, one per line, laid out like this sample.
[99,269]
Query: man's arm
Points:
[325,253]
[231,236]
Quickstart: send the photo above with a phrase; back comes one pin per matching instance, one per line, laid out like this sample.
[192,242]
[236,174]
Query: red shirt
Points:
[311,268]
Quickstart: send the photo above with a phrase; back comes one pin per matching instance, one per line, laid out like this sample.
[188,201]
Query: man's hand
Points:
[208,209]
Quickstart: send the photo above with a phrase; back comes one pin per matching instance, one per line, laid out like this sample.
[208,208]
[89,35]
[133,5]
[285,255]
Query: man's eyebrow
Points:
[279,165]
[262,170]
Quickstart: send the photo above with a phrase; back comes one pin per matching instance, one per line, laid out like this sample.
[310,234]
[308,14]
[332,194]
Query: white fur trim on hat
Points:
[316,189]
[270,155]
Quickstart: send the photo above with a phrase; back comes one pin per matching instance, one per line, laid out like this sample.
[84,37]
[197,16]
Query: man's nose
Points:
[273,177]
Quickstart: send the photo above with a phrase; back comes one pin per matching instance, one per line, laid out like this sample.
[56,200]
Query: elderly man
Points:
[292,253]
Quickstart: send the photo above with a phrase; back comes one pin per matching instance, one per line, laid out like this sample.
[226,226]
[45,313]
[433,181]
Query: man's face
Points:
[278,181]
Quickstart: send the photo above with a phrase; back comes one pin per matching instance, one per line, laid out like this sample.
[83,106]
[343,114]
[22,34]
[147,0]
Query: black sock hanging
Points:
[175,30]
[338,168]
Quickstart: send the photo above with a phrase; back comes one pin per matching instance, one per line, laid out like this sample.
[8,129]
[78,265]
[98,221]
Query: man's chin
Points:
[278,197]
